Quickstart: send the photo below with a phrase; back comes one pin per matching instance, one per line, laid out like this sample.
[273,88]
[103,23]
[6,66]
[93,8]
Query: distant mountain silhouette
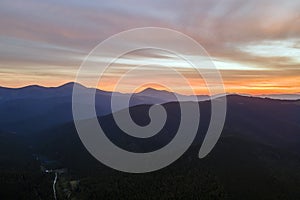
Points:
[169,96]
[282,96]
[46,107]
[50,106]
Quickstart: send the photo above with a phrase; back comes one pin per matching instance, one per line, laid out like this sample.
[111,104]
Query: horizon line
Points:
[73,82]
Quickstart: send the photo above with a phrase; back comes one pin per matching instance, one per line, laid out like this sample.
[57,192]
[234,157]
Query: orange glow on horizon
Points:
[243,88]
[289,85]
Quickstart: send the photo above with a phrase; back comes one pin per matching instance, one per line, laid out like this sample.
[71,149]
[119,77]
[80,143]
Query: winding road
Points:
[54,184]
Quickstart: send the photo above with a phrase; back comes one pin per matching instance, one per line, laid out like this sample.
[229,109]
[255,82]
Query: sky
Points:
[254,44]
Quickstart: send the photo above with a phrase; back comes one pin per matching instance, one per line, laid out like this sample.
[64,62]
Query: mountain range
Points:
[51,106]
[257,156]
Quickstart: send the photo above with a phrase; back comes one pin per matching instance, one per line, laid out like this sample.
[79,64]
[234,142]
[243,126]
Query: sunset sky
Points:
[254,44]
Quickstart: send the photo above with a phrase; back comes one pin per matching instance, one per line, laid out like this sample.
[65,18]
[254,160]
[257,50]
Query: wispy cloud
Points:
[255,44]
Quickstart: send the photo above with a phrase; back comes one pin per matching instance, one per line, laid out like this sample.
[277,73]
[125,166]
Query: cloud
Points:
[249,40]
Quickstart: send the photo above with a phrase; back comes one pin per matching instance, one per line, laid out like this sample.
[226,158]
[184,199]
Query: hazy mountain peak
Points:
[71,85]
[150,90]
[295,96]
[30,87]
[153,89]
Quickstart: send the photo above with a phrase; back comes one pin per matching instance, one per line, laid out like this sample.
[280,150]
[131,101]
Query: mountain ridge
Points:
[150,91]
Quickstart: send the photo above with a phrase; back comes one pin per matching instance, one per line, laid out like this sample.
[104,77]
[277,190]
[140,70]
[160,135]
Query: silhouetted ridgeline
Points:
[257,156]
